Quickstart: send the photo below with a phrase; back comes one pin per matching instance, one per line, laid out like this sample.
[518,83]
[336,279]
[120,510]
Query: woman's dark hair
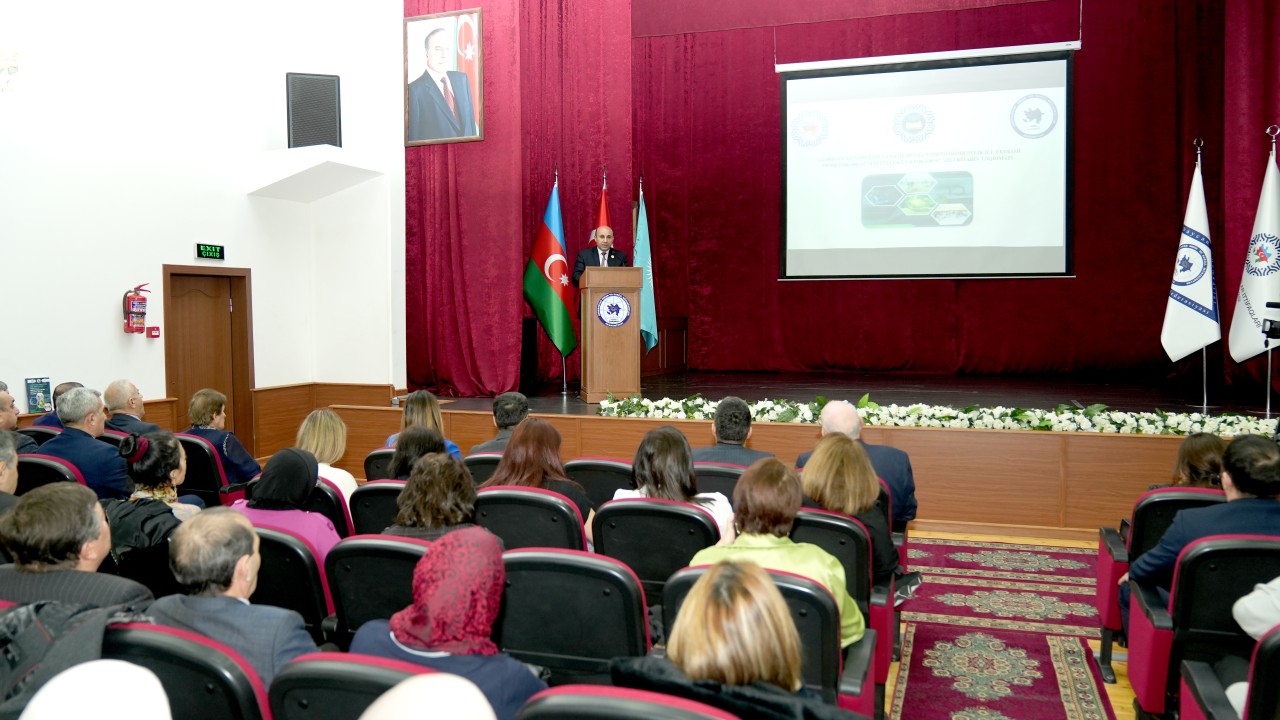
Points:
[151,457]
[767,498]
[532,457]
[414,442]
[1199,461]
[440,492]
[663,468]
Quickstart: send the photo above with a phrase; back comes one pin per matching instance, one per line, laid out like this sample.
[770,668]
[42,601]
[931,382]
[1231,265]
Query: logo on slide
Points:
[1191,265]
[809,128]
[1264,255]
[913,123]
[613,309]
[1033,116]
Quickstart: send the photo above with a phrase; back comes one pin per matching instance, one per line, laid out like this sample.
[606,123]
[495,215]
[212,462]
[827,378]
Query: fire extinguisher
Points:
[135,310]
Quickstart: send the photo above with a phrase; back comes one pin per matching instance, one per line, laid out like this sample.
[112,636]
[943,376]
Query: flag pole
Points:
[564,376]
[1272,131]
[1204,351]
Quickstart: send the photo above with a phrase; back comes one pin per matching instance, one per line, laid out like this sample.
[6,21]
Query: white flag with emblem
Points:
[1191,317]
[1260,283]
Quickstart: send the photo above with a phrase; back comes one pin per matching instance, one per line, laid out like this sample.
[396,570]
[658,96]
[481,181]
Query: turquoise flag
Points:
[648,311]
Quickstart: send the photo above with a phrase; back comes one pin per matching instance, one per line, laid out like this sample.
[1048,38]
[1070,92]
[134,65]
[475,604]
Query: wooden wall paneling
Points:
[372,394]
[367,430]
[277,413]
[162,412]
[1105,474]
[469,427]
[786,440]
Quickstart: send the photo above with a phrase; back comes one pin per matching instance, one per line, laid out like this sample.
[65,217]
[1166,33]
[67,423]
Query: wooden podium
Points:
[610,332]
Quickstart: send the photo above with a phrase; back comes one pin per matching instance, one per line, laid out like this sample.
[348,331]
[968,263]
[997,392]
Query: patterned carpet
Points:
[997,632]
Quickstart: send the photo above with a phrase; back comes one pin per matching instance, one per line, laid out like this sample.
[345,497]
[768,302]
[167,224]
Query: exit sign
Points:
[210,252]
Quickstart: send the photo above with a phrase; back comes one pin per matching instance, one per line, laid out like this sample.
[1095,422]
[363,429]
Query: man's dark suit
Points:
[72,586]
[268,637]
[126,423]
[1247,516]
[732,453]
[99,462]
[894,467]
[49,419]
[591,258]
[429,115]
[496,445]
[24,444]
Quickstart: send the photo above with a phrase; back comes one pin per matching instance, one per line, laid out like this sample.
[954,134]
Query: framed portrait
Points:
[443,78]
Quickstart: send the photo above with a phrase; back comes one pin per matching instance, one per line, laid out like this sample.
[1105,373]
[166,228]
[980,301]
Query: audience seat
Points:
[204,679]
[1152,515]
[845,681]
[327,500]
[373,506]
[848,541]
[293,579]
[654,538]
[571,612]
[35,470]
[1204,696]
[595,702]
[885,502]
[1196,623]
[205,477]
[530,517]
[113,437]
[482,465]
[335,686]
[370,577]
[718,477]
[40,433]
[601,477]
[377,464]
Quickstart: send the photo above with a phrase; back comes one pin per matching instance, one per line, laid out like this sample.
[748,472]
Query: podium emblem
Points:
[613,309]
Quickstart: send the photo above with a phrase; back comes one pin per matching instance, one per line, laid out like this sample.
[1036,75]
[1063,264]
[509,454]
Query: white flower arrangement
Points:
[1064,418]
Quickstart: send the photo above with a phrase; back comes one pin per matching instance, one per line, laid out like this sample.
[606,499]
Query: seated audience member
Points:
[280,495]
[157,464]
[450,696]
[532,459]
[457,591]
[124,402]
[8,471]
[117,690]
[324,435]
[52,419]
[214,555]
[208,413]
[734,646]
[412,444]
[422,409]
[731,429]
[1199,463]
[439,498]
[892,465]
[1257,613]
[9,423]
[1251,482]
[765,504]
[84,418]
[663,469]
[57,536]
[508,410]
[839,478]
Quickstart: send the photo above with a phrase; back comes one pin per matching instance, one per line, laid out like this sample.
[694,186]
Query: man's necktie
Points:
[448,97]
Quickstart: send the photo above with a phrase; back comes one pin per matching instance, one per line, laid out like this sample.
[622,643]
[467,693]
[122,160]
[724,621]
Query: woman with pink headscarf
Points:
[457,590]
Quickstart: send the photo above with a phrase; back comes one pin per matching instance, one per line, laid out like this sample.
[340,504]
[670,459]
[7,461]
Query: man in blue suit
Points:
[84,418]
[215,556]
[1251,482]
[891,464]
[440,104]
[124,401]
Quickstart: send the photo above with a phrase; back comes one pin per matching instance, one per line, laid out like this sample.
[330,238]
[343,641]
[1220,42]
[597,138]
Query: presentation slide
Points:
[929,171]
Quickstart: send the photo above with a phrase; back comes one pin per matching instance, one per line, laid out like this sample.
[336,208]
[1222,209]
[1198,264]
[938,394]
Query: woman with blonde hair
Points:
[422,409]
[733,645]
[839,477]
[324,435]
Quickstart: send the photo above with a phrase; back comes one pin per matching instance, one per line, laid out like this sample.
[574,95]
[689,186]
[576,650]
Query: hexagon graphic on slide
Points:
[883,196]
[917,183]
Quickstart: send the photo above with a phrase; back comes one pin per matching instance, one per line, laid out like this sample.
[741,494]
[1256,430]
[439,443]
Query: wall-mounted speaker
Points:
[315,110]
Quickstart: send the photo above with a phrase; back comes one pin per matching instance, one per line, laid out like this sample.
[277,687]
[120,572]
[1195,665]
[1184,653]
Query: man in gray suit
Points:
[509,409]
[214,555]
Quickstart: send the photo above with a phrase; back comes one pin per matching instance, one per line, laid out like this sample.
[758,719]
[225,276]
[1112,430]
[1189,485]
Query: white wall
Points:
[134,130]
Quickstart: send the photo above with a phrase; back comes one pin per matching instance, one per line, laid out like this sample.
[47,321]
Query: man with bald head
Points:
[891,464]
[124,402]
[602,255]
[9,422]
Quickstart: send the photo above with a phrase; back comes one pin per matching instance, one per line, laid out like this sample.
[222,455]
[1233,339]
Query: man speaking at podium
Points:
[602,255]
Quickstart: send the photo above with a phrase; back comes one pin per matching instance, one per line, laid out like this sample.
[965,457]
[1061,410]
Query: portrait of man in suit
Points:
[443,101]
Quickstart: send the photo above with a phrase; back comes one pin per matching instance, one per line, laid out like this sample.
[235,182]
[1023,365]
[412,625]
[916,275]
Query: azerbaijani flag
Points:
[546,279]
[468,55]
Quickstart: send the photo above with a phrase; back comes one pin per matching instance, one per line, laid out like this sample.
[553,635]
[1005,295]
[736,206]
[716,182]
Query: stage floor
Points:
[1119,393]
